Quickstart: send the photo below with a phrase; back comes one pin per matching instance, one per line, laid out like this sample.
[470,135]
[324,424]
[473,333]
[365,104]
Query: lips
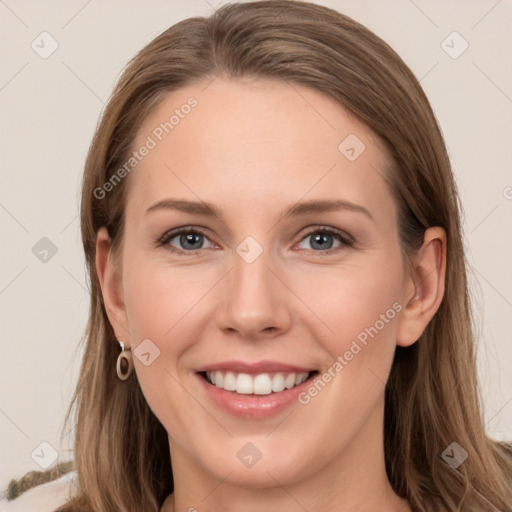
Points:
[254,367]
[254,390]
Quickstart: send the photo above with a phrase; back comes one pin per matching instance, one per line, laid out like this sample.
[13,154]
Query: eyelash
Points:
[345,239]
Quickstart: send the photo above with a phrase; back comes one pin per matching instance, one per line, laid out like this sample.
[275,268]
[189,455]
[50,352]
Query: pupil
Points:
[190,238]
[323,241]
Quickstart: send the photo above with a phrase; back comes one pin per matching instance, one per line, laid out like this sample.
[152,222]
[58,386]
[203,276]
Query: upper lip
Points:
[254,367]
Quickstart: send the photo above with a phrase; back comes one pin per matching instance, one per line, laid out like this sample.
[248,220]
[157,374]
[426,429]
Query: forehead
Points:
[255,142]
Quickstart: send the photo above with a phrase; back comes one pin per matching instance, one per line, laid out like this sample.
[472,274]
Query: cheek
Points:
[159,300]
[359,308]
[167,309]
[350,301]
[161,306]
[363,311]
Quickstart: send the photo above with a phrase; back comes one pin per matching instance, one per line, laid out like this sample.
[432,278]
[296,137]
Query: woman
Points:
[279,316]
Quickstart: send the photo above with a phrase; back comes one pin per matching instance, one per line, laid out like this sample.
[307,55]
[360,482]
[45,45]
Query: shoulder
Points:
[43,498]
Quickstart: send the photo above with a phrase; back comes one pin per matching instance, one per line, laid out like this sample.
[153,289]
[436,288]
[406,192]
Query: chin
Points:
[259,463]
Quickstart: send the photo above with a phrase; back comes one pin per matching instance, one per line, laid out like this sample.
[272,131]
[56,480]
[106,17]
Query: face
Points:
[261,249]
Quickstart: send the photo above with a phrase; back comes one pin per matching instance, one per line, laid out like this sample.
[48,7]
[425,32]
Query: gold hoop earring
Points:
[124,365]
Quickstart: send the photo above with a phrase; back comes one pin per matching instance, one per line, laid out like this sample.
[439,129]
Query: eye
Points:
[184,240]
[323,239]
[188,240]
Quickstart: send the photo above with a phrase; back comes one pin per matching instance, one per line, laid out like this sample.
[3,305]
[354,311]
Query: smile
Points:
[254,390]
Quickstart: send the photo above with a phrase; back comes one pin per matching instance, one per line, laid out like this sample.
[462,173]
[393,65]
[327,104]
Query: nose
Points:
[256,303]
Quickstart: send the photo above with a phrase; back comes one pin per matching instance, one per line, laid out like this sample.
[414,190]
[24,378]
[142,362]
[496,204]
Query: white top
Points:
[43,498]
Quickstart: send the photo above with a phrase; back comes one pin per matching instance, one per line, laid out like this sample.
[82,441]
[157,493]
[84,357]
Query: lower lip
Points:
[252,406]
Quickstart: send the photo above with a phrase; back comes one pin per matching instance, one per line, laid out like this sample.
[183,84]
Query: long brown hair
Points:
[431,398]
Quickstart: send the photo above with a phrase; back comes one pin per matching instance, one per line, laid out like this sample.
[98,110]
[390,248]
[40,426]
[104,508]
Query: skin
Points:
[254,148]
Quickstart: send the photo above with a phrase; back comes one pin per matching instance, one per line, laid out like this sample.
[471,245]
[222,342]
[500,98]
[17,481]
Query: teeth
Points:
[301,377]
[230,381]
[261,384]
[289,380]
[278,382]
[244,384]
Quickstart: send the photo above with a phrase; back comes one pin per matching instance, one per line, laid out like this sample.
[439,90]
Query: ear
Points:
[424,287]
[109,276]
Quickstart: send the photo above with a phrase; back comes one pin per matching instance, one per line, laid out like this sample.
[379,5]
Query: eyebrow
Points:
[210,210]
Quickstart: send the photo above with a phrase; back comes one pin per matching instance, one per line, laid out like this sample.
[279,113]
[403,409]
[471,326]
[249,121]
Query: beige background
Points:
[49,111]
